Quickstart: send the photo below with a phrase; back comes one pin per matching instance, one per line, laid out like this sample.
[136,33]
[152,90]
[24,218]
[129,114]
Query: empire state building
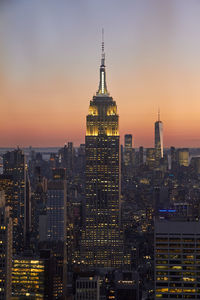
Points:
[101,244]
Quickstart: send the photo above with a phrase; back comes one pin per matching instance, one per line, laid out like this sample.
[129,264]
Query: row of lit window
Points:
[178,290]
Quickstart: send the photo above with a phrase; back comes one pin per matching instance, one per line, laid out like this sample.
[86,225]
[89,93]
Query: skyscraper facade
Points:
[14,166]
[127,149]
[56,206]
[177,258]
[101,244]
[183,157]
[27,278]
[150,158]
[5,249]
[158,140]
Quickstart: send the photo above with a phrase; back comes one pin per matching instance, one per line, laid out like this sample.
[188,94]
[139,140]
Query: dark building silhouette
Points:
[128,150]
[66,157]
[151,158]
[158,140]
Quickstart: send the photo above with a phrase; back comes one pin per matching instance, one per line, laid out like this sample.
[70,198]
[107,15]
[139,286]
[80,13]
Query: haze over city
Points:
[49,69]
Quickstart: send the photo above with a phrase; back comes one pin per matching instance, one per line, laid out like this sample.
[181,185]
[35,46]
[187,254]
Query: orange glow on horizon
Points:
[50,69]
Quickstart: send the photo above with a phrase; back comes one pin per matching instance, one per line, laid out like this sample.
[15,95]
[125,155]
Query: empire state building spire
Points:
[102,83]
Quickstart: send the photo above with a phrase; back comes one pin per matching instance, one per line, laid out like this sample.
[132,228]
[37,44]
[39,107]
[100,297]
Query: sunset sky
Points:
[49,68]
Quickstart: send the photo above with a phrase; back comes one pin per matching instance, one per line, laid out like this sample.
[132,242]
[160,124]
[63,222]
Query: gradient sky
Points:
[49,68]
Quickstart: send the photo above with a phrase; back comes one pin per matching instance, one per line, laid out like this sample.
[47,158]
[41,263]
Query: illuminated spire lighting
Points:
[102,83]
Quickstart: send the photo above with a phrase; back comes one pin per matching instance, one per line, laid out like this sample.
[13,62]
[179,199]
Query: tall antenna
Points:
[159,114]
[102,49]
[102,40]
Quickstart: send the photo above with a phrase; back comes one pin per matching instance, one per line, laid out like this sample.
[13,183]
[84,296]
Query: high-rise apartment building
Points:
[177,258]
[5,249]
[101,245]
[158,140]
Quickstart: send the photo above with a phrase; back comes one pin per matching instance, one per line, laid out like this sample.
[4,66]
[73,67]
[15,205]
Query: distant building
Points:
[56,206]
[158,140]
[80,159]
[150,158]
[161,198]
[66,157]
[128,153]
[128,157]
[183,157]
[88,288]
[173,158]
[177,258]
[141,156]
[195,163]
[38,208]
[5,249]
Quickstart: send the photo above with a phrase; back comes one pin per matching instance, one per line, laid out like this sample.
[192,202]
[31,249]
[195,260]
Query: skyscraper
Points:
[14,165]
[5,249]
[101,245]
[128,157]
[177,259]
[183,157]
[66,157]
[56,206]
[141,156]
[150,158]
[28,278]
[128,150]
[158,140]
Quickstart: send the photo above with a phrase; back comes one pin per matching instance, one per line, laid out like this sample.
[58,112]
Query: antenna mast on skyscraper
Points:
[102,40]
[102,49]
[159,114]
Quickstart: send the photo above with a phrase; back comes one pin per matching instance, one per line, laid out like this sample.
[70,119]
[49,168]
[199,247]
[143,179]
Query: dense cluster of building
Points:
[101,221]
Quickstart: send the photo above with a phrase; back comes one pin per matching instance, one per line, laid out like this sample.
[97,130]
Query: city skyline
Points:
[99,149]
[49,69]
